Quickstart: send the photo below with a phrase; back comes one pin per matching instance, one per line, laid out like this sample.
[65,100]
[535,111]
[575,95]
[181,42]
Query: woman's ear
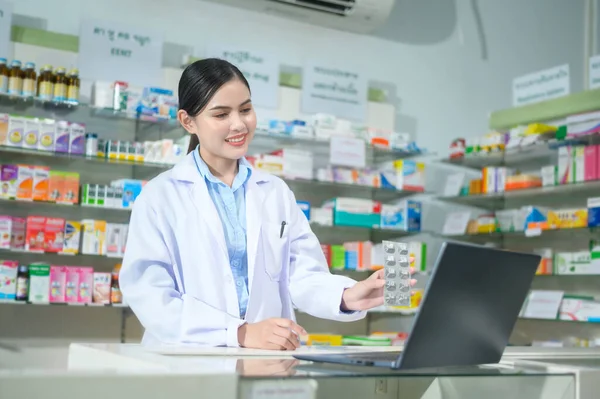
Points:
[186,121]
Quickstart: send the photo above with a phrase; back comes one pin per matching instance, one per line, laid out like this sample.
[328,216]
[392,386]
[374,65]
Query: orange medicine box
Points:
[34,233]
[25,182]
[70,194]
[54,234]
[41,176]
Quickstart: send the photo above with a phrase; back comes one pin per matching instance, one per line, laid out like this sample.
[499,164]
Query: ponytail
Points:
[193,143]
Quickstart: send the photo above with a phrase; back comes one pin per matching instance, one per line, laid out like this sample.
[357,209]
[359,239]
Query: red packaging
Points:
[34,235]
[327,252]
[54,234]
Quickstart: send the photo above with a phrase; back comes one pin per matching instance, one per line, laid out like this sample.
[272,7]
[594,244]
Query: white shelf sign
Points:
[595,72]
[261,72]
[336,91]
[454,184]
[456,223]
[5,29]
[347,151]
[112,51]
[542,304]
[541,86]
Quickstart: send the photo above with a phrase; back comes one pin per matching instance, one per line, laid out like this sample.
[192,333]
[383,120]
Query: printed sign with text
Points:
[5,29]
[347,151]
[110,51]
[541,86]
[336,91]
[261,72]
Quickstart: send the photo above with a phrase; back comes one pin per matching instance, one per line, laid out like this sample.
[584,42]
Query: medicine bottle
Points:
[15,79]
[29,80]
[60,85]
[3,76]
[73,86]
[22,283]
[45,89]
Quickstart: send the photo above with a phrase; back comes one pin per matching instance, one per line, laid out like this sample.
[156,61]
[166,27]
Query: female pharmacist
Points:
[218,253]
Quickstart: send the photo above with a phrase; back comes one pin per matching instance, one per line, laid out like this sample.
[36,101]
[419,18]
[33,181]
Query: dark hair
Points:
[199,83]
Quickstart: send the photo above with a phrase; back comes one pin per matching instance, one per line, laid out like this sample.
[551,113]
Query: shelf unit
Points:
[112,125]
[561,196]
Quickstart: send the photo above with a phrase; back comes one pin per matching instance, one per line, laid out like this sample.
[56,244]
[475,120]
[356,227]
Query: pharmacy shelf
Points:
[563,195]
[81,158]
[341,234]
[530,156]
[22,208]
[550,110]
[574,233]
[77,305]
[27,257]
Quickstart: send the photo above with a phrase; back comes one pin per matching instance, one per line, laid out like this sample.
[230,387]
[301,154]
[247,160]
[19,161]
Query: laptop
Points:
[471,304]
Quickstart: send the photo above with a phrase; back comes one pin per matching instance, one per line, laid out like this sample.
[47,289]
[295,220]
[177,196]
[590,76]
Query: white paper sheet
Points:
[189,350]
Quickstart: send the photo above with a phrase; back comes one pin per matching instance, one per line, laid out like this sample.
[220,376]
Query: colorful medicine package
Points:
[397,274]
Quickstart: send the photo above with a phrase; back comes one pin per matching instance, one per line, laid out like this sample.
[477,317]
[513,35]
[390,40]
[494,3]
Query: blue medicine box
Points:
[305,208]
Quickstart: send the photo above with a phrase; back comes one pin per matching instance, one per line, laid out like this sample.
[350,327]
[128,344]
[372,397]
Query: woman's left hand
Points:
[367,294]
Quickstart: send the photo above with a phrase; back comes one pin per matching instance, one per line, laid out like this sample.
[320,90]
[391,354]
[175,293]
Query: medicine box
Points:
[86,284]
[101,288]
[8,181]
[5,231]
[94,235]
[31,133]
[568,218]
[46,141]
[305,208]
[62,137]
[8,279]
[591,163]
[41,177]
[72,285]
[25,182]
[327,253]
[77,138]
[58,282]
[54,233]
[39,283]
[4,118]
[16,131]
[565,165]
[72,237]
[593,209]
[35,238]
[355,212]
[549,175]
[338,257]
[17,233]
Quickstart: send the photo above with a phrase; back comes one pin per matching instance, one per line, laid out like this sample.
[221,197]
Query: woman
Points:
[220,254]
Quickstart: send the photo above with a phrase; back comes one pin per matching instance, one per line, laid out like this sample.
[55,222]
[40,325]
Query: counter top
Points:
[255,364]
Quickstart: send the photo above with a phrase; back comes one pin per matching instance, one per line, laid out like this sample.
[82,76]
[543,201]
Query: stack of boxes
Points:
[38,183]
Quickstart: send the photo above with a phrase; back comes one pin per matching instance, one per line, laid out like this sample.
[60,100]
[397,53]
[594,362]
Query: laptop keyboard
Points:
[379,356]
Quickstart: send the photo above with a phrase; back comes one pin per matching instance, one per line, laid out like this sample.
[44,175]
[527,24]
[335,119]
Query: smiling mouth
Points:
[236,139]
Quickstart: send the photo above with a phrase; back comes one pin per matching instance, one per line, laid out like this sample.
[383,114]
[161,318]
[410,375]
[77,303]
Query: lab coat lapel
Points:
[254,215]
[187,171]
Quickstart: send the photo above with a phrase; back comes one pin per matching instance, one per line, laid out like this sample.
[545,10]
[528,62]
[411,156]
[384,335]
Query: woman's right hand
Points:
[274,334]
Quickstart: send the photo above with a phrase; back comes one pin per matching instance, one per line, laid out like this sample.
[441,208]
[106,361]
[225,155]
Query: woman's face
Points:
[226,125]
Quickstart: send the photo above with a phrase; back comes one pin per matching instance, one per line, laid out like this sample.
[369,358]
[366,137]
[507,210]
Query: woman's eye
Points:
[245,111]
[220,116]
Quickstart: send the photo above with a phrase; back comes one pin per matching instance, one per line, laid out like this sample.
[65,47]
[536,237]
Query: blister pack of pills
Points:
[397,274]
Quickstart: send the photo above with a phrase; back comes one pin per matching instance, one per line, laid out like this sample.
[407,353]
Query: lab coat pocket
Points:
[275,247]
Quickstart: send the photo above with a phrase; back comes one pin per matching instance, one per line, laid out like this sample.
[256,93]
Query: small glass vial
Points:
[29,80]
[15,79]
[45,89]
[3,76]
[60,85]
[73,86]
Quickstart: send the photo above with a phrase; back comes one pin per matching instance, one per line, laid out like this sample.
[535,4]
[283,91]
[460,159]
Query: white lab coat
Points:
[176,276]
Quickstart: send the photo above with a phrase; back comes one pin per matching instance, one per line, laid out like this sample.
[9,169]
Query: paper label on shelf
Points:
[541,86]
[454,184]
[283,389]
[456,223]
[595,72]
[543,304]
[347,151]
[334,90]
[261,70]
[5,29]
[110,51]
[533,232]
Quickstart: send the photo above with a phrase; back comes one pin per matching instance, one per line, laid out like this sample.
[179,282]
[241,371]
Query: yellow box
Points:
[568,218]
[324,340]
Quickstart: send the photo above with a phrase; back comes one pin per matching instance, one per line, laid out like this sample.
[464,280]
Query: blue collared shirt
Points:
[231,206]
